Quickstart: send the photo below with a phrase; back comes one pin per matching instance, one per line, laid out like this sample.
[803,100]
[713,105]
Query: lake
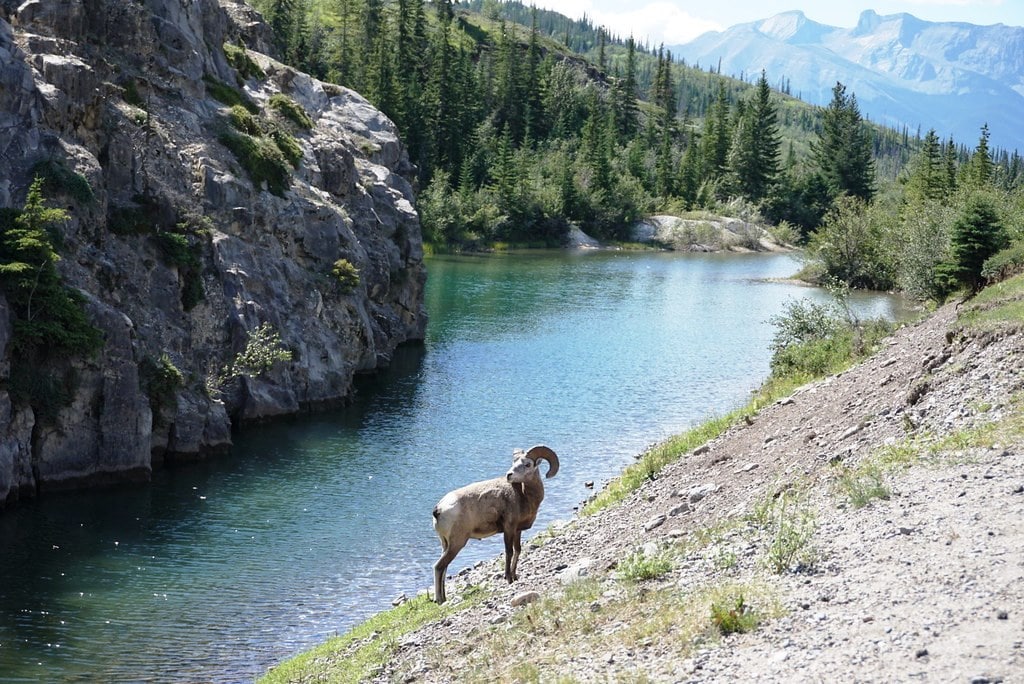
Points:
[216,571]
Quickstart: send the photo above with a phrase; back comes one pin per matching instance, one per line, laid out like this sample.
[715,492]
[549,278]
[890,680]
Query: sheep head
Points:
[525,464]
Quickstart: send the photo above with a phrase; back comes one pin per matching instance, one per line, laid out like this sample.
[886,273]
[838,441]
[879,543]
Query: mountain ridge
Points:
[905,71]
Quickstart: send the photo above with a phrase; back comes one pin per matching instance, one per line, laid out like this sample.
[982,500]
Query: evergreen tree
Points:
[842,152]
[754,155]
[927,178]
[978,172]
[717,138]
[977,235]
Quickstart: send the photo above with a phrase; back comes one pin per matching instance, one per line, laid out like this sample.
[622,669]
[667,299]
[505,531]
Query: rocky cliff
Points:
[209,195]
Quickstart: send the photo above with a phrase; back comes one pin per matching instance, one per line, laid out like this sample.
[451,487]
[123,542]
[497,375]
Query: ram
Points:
[506,504]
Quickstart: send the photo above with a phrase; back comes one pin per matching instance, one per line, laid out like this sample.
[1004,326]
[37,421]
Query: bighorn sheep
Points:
[504,504]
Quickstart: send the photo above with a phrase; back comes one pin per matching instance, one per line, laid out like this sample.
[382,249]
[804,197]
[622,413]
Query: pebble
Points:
[654,523]
[525,598]
[681,508]
[700,491]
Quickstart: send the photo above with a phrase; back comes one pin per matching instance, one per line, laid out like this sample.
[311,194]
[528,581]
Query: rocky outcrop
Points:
[120,95]
[705,234]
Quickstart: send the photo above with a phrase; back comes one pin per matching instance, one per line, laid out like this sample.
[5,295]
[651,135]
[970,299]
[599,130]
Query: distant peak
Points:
[792,27]
[868,22]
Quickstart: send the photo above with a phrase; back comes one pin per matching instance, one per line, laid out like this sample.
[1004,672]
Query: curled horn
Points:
[541,451]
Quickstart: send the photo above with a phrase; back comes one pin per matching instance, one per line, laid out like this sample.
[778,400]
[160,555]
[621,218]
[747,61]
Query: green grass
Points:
[997,307]
[239,58]
[356,655]
[731,614]
[656,458]
[227,95]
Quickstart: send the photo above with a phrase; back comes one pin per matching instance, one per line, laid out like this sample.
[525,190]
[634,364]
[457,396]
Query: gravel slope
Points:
[925,585]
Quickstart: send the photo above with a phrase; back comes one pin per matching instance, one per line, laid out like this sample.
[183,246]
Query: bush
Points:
[291,110]
[346,274]
[261,159]
[239,58]
[58,179]
[225,94]
[262,351]
[243,120]
[160,379]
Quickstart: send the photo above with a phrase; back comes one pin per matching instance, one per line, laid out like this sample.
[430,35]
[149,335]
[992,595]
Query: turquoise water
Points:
[218,570]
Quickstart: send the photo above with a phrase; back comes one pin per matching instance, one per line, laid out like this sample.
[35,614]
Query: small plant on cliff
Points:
[346,274]
[58,179]
[161,380]
[244,120]
[261,158]
[291,110]
[239,58]
[225,94]
[262,351]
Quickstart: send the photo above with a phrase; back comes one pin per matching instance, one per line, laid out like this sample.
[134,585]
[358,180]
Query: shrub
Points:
[132,96]
[225,94]
[160,379]
[58,179]
[287,144]
[261,159]
[1004,264]
[244,120]
[262,351]
[239,58]
[291,110]
[346,274]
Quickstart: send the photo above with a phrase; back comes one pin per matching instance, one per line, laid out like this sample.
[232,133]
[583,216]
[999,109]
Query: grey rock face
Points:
[118,93]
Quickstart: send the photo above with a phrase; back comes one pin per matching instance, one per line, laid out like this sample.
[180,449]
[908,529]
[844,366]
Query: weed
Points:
[732,615]
[861,485]
[638,567]
[791,527]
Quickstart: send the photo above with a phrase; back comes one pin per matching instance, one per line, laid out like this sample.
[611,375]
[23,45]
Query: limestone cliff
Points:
[124,95]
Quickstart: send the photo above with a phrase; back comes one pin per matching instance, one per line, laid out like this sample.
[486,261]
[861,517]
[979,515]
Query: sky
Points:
[674,22]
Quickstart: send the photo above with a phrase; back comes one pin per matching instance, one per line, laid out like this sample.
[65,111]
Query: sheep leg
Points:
[512,548]
[449,551]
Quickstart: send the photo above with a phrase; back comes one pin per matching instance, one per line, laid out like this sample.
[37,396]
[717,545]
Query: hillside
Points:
[869,527]
[906,72]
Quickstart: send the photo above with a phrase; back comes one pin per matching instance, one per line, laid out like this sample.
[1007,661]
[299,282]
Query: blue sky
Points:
[677,21]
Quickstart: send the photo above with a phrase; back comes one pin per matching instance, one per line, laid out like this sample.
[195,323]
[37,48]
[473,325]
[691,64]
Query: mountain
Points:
[950,76]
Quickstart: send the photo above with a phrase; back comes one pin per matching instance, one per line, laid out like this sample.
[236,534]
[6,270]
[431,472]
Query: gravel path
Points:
[927,584]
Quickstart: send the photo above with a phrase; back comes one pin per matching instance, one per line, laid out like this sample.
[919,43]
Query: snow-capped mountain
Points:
[950,76]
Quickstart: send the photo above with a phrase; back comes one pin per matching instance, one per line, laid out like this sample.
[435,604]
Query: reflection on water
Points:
[219,569]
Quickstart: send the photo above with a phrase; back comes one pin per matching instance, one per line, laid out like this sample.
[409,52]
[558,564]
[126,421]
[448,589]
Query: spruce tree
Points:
[842,152]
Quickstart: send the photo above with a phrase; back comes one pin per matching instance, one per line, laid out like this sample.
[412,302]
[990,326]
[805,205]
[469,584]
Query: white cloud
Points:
[656,22]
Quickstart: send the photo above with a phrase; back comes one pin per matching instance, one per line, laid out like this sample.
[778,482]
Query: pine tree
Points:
[978,172]
[977,235]
[927,178]
[717,138]
[842,152]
